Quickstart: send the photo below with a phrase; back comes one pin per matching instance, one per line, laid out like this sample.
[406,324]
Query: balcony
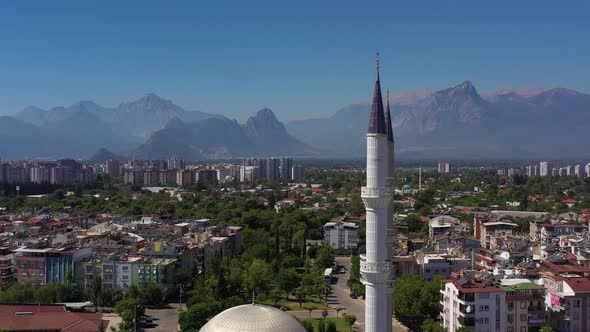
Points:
[375,192]
[466,297]
[466,321]
[375,267]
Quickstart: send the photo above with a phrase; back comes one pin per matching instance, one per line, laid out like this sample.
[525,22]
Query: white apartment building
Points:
[545,168]
[478,305]
[432,265]
[341,235]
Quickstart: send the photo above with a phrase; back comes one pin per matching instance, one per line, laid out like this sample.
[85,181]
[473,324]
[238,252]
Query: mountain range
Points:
[451,123]
[459,123]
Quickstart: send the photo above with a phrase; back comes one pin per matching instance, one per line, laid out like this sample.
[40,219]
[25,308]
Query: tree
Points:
[96,292]
[288,280]
[416,300]
[257,277]
[326,256]
[430,325]
[309,310]
[331,327]
[307,325]
[546,328]
[350,319]
[130,310]
[152,294]
[301,293]
[338,309]
[197,315]
[464,329]
[321,326]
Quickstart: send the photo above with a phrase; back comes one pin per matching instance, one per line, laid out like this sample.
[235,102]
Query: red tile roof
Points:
[579,285]
[47,317]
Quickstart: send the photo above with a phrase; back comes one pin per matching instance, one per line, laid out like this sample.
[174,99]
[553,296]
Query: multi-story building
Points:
[474,304]
[167,177]
[297,172]
[113,167]
[285,168]
[176,163]
[578,171]
[529,170]
[7,267]
[525,305]
[272,169]
[587,170]
[442,225]
[46,265]
[431,265]
[151,177]
[494,234]
[341,234]
[545,168]
[567,299]
[40,174]
[249,174]
[444,167]
[185,177]
[207,176]
[133,176]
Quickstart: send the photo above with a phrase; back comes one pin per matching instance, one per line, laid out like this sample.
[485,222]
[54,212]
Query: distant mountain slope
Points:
[79,129]
[458,122]
[219,138]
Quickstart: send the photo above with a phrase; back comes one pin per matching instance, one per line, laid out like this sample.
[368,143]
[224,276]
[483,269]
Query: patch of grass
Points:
[340,323]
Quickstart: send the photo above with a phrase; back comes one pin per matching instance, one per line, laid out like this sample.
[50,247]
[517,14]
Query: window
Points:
[125,277]
[510,318]
[125,268]
[510,306]
[523,317]
[522,305]
[523,329]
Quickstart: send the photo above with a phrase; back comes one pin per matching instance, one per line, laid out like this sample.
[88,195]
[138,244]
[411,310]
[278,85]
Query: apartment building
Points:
[474,304]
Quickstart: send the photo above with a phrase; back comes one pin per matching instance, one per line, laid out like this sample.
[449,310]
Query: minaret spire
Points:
[377,65]
[388,121]
[377,119]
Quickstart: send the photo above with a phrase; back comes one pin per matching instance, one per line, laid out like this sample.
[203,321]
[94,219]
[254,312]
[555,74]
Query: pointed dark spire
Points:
[388,120]
[377,117]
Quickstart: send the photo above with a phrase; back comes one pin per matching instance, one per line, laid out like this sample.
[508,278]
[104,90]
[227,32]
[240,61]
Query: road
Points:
[354,306]
[165,319]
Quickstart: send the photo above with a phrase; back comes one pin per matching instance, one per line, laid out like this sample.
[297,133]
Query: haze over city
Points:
[304,59]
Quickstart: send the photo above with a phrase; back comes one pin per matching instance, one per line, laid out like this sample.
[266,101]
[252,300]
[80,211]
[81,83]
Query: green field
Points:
[340,324]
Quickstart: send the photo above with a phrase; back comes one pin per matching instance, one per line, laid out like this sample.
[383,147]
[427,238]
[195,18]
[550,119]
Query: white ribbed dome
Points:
[253,318]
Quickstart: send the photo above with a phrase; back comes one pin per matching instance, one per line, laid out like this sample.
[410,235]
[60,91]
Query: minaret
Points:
[390,229]
[420,179]
[375,267]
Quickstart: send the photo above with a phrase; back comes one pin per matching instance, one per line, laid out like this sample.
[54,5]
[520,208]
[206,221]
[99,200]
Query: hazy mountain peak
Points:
[86,105]
[266,114]
[149,102]
[522,92]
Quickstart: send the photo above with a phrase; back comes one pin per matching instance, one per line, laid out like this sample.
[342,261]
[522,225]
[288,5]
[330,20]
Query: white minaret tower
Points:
[375,264]
[390,228]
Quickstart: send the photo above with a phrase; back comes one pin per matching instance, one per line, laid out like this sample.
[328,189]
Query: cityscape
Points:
[376,204]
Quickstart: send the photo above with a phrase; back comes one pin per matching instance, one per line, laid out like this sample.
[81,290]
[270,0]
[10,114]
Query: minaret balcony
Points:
[370,267]
[370,192]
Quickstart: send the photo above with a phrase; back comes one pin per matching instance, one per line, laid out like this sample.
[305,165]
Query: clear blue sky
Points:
[307,58]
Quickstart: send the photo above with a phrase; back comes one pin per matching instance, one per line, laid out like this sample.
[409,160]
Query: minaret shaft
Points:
[376,263]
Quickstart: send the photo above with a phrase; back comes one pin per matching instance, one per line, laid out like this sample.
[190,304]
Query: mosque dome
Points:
[253,318]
